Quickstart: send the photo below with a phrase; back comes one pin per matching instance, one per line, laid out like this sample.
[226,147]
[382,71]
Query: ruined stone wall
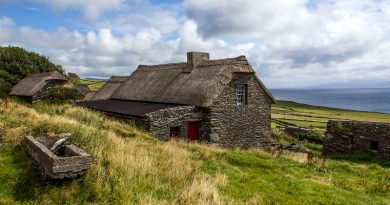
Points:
[161,121]
[357,137]
[247,125]
[43,92]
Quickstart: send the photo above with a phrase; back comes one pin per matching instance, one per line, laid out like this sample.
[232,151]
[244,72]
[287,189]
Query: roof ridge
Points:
[239,60]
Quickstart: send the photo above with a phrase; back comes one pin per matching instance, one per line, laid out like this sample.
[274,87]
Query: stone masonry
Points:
[357,137]
[161,121]
[247,125]
[72,163]
[44,91]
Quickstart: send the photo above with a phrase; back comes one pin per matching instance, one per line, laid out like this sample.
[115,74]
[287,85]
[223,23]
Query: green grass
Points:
[93,84]
[131,167]
[315,116]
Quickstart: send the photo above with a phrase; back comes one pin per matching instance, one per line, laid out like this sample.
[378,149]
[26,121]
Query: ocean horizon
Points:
[360,99]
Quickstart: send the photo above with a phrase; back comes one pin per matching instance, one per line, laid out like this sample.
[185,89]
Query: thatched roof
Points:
[31,84]
[109,87]
[138,109]
[172,83]
[89,95]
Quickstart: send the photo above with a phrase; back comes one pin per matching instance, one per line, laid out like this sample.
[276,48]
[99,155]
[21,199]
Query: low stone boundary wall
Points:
[357,137]
[291,130]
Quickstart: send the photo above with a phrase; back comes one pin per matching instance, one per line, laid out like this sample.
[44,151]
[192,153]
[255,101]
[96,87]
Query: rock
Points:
[291,130]
[58,144]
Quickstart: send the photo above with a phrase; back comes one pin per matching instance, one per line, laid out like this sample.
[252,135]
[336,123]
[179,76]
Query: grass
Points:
[93,84]
[131,167]
[316,117]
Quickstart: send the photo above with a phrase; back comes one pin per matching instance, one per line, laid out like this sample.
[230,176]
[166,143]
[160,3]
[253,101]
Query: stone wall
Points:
[43,92]
[58,167]
[161,121]
[357,137]
[247,125]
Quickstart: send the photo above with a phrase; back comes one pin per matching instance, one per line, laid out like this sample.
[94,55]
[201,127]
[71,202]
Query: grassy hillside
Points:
[93,84]
[131,167]
[317,117]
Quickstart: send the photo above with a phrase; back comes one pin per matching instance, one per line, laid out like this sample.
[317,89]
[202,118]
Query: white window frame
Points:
[241,92]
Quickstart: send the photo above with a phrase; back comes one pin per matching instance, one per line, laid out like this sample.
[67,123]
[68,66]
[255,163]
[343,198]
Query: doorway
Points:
[193,130]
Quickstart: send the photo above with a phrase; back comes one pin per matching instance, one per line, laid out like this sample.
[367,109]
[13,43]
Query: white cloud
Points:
[143,15]
[290,43]
[302,43]
[92,9]
[6,21]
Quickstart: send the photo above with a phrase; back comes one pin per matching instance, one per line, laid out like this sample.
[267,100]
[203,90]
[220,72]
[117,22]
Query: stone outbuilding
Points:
[218,101]
[36,86]
[357,137]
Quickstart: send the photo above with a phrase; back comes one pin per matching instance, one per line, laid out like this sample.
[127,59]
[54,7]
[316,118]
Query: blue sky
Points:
[290,43]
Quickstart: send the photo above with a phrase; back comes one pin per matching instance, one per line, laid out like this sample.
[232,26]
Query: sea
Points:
[362,99]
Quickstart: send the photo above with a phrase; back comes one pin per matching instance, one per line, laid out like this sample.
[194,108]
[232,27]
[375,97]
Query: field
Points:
[316,117]
[93,84]
[131,167]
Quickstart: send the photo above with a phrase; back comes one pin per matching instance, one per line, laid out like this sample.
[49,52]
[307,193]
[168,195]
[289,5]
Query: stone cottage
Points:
[357,137]
[218,101]
[36,86]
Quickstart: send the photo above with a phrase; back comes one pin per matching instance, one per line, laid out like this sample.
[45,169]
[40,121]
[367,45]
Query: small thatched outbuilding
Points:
[218,101]
[35,86]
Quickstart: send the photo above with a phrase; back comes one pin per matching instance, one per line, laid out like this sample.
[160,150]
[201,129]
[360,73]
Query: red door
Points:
[193,131]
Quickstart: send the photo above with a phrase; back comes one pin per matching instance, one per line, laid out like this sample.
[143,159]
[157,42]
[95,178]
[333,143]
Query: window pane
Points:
[240,94]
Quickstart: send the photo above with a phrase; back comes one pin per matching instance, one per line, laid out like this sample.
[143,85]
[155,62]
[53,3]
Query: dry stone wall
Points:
[357,137]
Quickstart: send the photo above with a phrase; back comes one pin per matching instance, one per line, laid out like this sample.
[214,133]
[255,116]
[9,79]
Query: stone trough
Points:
[69,162]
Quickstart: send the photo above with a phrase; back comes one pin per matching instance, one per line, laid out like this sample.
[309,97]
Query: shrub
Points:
[339,128]
[61,94]
[313,137]
[5,88]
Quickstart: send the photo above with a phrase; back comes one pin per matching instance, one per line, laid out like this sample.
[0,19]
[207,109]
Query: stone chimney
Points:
[194,58]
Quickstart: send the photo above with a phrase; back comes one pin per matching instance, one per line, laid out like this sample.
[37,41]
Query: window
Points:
[175,132]
[374,146]
[241,94]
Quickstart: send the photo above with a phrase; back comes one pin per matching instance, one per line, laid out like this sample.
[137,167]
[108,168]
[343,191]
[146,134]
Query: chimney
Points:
[194,58]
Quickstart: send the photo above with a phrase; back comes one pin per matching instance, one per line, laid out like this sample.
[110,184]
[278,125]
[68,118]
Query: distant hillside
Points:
[316,117]
[97,79]
[93,84]
[131,167]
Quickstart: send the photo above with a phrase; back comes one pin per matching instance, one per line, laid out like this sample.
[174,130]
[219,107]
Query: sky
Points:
[289,43]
